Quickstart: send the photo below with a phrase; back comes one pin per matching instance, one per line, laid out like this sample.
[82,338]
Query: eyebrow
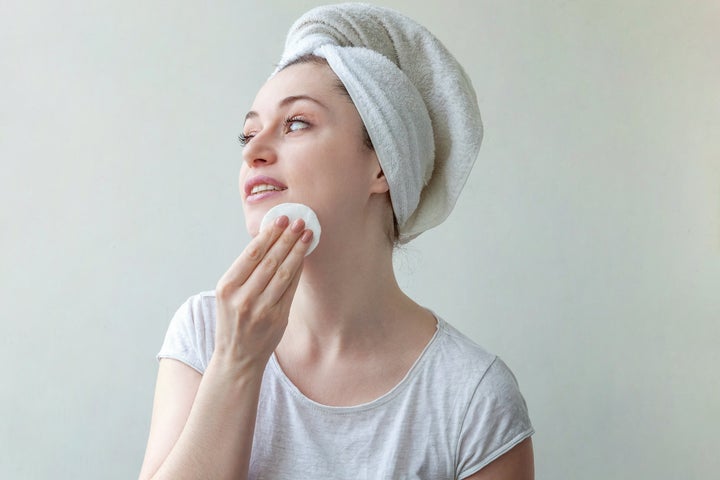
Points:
[287,101]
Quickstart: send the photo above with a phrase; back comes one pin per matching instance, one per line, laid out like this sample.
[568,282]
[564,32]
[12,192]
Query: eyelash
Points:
[245,139]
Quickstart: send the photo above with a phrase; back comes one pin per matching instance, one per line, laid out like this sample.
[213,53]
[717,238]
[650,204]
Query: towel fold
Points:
[416,101]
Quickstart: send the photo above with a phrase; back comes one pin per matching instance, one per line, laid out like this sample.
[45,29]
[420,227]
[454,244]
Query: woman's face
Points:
[304,144]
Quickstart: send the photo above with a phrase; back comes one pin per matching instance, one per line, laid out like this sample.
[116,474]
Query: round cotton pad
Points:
[294,211]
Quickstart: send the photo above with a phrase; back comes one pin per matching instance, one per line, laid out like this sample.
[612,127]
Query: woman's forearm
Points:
[216,441]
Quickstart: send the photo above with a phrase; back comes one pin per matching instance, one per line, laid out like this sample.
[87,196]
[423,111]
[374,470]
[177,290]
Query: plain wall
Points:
[585,250]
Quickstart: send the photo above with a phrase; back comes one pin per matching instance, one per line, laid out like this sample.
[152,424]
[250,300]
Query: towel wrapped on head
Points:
[416,101]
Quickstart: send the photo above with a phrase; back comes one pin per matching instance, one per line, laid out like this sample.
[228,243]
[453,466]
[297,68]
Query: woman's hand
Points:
[203,425]
[255,294]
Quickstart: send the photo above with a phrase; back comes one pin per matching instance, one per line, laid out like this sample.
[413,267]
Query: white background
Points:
[585,249]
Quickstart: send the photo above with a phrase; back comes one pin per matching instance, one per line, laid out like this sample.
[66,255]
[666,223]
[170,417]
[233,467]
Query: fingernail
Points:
[282,221]
[297,225]
[307,236]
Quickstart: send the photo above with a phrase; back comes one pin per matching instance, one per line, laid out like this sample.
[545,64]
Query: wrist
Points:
[234,366]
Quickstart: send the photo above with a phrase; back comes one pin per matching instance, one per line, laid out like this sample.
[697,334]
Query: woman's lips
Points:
[260,187]
[256,197]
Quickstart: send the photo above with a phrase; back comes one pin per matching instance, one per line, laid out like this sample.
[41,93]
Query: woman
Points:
[321,367]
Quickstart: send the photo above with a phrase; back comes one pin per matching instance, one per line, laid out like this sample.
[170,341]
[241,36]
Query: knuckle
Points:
[270,263]
[253,252]
[263,312]
[287,240]
[244,307]
[284,274]
[223,290]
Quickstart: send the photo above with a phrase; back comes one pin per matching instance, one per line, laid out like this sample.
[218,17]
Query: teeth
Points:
[263,188]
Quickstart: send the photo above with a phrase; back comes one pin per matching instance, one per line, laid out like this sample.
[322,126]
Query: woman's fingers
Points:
[287,275]
[264,259]
[274,265]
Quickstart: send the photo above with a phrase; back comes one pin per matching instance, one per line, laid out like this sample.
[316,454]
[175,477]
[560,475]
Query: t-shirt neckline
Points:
[382,399]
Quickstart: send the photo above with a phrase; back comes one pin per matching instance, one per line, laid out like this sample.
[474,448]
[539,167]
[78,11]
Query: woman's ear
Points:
[379,183]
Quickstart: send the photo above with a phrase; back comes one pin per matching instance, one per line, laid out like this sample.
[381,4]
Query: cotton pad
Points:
[294,211]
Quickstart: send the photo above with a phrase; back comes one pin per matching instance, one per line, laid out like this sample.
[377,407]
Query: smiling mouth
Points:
[264,187]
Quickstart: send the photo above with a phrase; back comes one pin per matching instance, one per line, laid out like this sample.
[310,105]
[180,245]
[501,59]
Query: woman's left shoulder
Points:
[494,413]
[458,348]
[459,356]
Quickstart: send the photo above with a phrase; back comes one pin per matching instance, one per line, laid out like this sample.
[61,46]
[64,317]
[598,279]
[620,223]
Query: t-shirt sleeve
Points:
[496,420]
[190,335]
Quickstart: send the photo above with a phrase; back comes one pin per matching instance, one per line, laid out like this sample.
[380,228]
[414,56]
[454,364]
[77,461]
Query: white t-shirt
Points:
[457,409]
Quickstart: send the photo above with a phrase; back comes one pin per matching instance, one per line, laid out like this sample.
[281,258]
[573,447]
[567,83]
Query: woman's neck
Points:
[340,293]
[352,333]
[347,298]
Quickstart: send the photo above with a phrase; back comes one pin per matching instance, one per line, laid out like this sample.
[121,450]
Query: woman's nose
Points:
[259,150]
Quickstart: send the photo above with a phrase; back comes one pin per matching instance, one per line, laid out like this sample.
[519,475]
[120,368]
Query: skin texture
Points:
[334,345]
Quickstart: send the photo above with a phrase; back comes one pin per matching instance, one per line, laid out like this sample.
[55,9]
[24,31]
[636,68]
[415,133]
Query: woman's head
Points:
[305,142]
[416,101]
[401,108]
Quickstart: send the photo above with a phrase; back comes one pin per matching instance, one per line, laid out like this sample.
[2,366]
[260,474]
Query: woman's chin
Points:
[252,227]
[253,218]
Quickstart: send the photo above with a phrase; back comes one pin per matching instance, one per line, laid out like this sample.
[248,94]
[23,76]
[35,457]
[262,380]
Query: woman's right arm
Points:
[202,425]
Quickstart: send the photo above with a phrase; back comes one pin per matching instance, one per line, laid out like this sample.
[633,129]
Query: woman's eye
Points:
[295,124]
[244,139]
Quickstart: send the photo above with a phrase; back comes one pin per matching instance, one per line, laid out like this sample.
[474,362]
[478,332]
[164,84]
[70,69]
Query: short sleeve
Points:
[496,420]
[190,336]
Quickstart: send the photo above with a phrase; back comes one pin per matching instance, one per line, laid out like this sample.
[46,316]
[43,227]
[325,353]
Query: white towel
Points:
[415,100]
